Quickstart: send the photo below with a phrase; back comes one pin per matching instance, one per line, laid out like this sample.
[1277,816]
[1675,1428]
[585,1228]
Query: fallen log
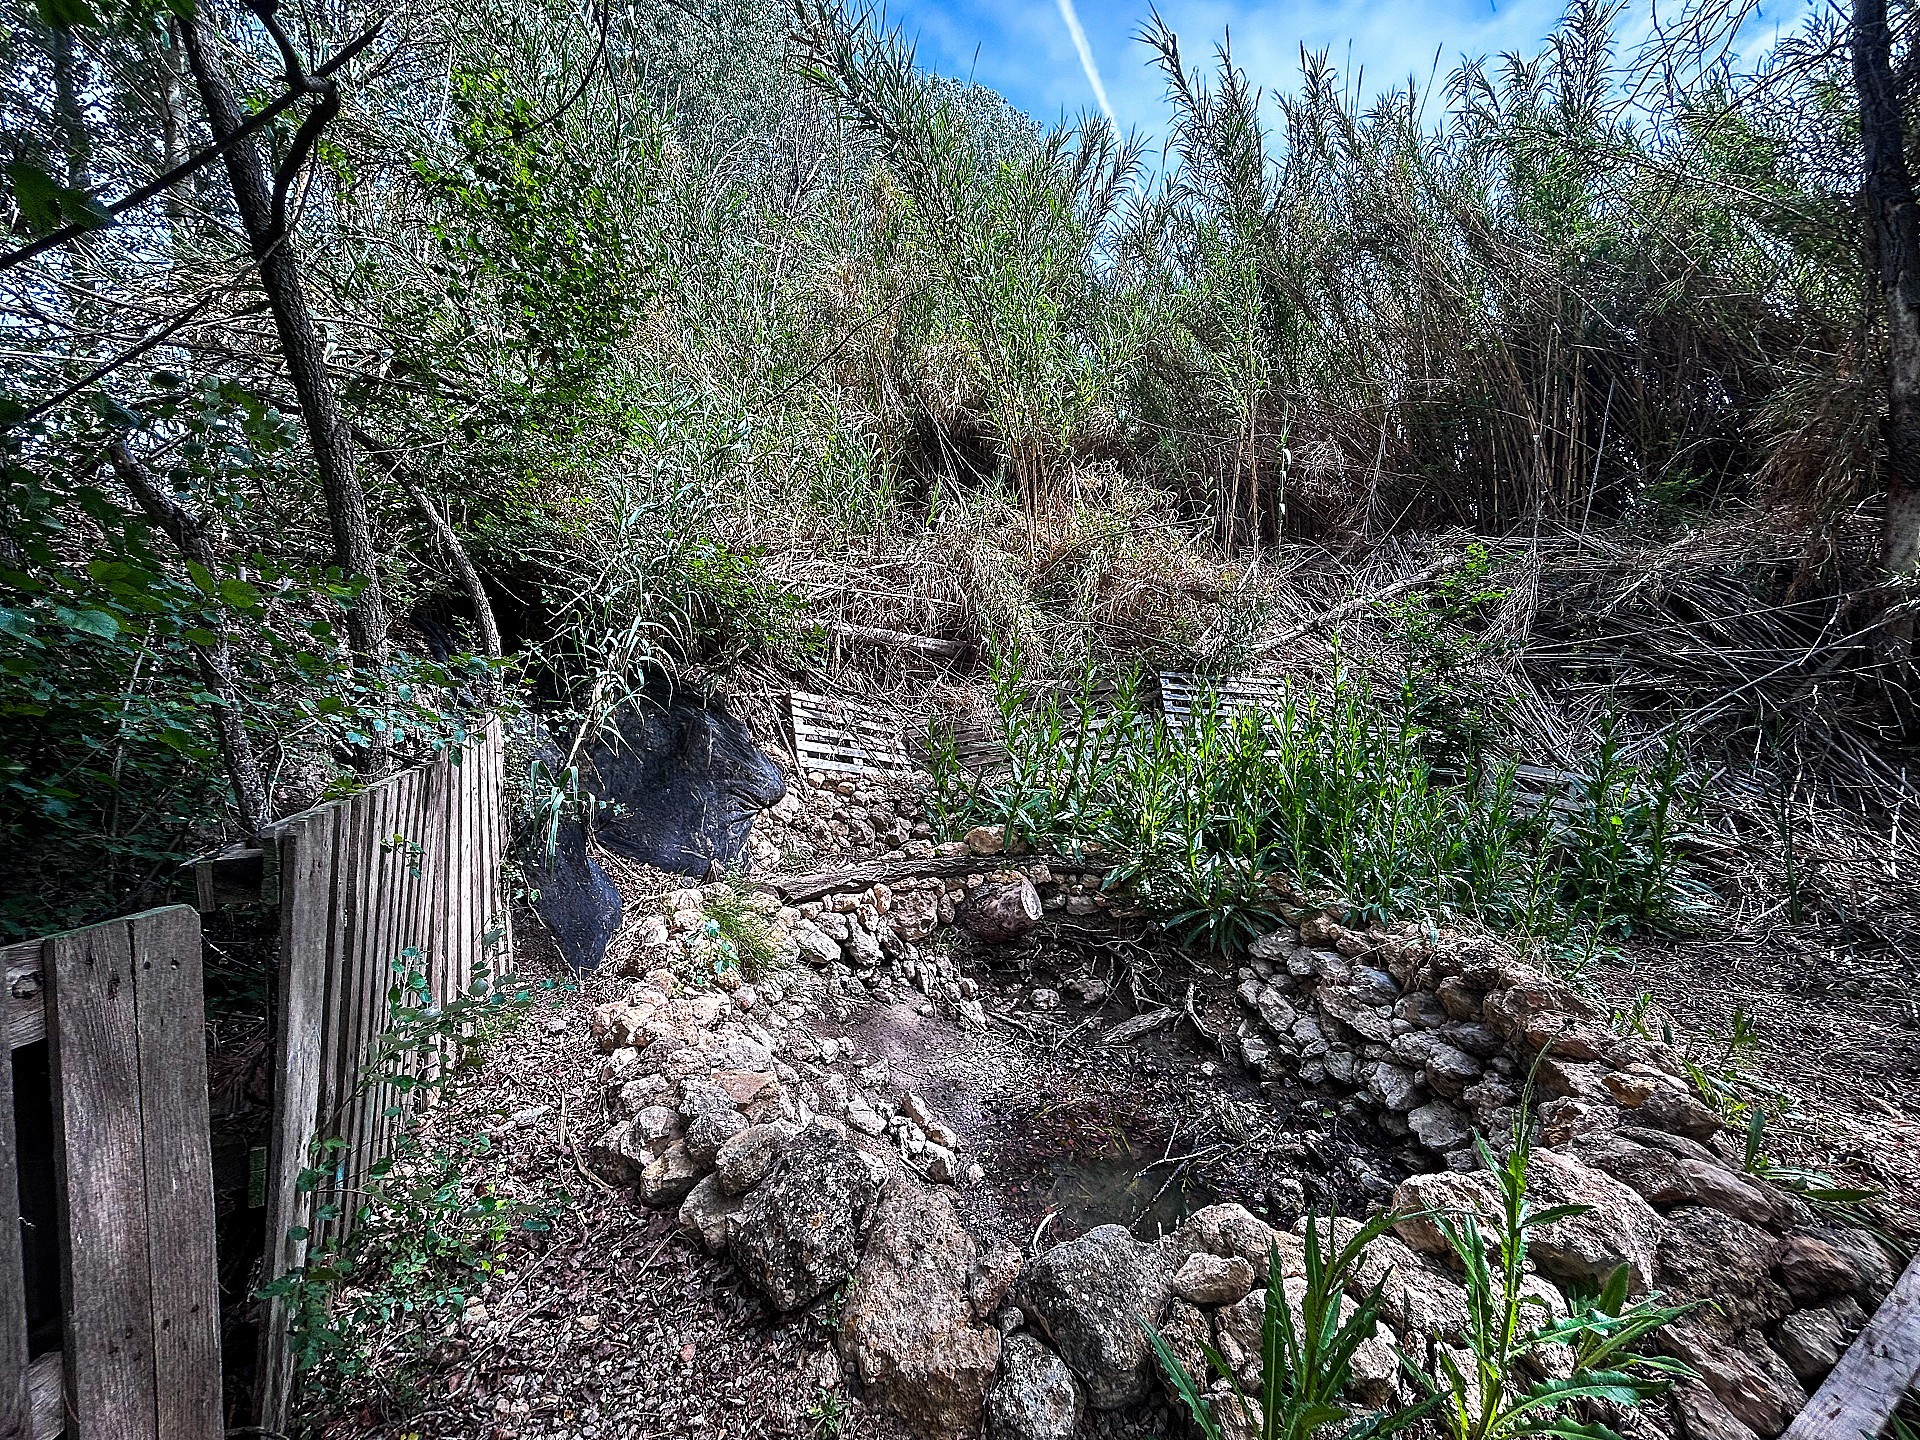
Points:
[794,889]
[901,640]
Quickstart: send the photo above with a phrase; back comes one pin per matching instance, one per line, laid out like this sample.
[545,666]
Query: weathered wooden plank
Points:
[26,993]
[16,1414]
[1882,1365]
[176,1138]
[46,1400]
[373,962]
[100,1169]
[359,860]
[306,867]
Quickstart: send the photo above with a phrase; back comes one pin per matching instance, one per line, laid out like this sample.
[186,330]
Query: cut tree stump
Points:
[1000,910]
[1874,1376]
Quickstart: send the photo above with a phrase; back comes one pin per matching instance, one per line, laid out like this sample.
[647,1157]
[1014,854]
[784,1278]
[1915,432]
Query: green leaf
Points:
[66,14]
[89,622]
[239,594]
[34,190]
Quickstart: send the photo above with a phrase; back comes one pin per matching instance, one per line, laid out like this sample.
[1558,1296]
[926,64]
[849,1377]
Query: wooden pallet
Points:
[1183,695]
[845,737]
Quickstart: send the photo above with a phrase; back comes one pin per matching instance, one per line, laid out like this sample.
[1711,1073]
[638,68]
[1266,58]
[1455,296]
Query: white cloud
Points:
[1086,59]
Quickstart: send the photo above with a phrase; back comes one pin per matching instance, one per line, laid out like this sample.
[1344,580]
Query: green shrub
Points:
[1306,1363]
[1326,793]
[1491,1397]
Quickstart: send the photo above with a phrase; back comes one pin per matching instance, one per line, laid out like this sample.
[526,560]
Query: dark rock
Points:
[1873,1272]
[683,779]
[1667,1179]
[709,1132]
[798,1234]
[1703,1417]
[573,896]
[1710,1255]
[1749,1380]
[1089,1297]
[1668,1109]
[1812,1341]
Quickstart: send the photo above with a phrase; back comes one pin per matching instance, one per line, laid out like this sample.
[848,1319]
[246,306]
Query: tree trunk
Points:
[1896,236]
[327,431]
[1000,910]
[215,660]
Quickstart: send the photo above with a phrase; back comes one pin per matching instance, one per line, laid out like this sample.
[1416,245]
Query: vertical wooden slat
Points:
[16,1416]
[369,980]
[459,858]
[100,1167]
[502,955]
[346,884]
[306,867]
[176,1138]
[22,971]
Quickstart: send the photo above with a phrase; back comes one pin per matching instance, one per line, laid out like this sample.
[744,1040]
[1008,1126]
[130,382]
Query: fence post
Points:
[15,1417]
[134,1170]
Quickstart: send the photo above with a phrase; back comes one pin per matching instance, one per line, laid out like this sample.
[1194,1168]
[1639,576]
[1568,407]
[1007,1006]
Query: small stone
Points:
[1812,1341]
[1035,1396]
[986,840]
[708,1133]
[743,1160]
[1210,1280]
[1812,1270]
[667,1180]
[1439,1127]
[707,1213]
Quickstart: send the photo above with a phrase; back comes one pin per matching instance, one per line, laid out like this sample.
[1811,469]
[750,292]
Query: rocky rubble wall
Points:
[721,1105]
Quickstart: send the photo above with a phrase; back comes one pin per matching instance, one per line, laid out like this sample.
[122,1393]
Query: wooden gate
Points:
[404,876]
[119,1007]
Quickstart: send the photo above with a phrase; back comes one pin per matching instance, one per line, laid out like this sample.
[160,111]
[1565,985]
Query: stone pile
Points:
[1433,1037]
[859,817]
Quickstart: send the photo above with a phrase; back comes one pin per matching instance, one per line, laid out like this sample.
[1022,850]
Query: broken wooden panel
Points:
[846,737]
[1184,695]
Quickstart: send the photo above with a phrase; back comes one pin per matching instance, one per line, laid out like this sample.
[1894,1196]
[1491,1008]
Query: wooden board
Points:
[176,1142]
[93,1031]
[26,993]
[840,735]
[16,1415]
[1182,695]
[1874,1376]
[306,865]
[46,1402]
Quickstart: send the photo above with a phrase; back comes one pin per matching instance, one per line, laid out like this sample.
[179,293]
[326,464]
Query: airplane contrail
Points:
[1086,60]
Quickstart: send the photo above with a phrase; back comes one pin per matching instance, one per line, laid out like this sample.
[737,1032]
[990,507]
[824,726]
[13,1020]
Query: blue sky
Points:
[1023,48]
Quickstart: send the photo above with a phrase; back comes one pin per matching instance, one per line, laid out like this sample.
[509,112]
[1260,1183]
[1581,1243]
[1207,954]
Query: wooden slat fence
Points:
[119,1005]
[407,873]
